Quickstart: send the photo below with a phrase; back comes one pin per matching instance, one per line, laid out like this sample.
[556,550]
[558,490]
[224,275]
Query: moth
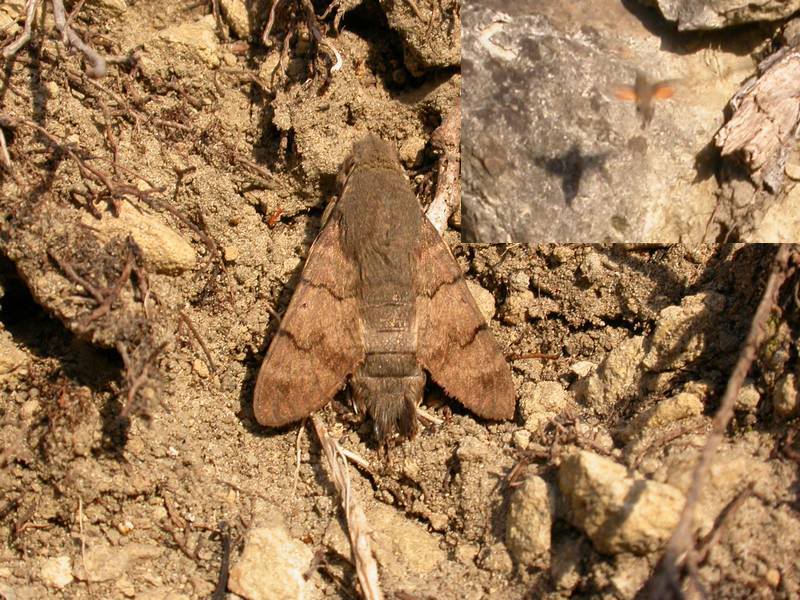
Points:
[380,301]
[644,92]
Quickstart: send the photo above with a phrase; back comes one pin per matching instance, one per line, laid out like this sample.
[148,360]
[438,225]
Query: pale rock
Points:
[541,307]
[116,7]
[11,357]
[630,575]
[230,253]
[103,562]
[541,402]
[617,377]
[271,566]
[748,398]
[57,571]
[483,298]
[663,414]
[680,336]
[583,368]
[471,449]
[164,250]
[619,513]
[466,553]
[200,367]
[495,558]
[518,300]
[521,438]
[198,40]
[401,546]
[235,13]
[784,397]
[529,521]
[591,268]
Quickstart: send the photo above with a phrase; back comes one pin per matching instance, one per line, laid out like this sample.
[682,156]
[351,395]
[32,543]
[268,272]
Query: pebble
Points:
[271,566]
[540,402]
[530,519]
[197,39]
[619,513]
[57,571]
[784,397]
[235,13]
[231,253]
[200,367]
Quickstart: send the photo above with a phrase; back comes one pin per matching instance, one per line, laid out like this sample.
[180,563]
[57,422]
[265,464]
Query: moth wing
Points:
[319,341]
[664,89]
[624,92]
[454,343]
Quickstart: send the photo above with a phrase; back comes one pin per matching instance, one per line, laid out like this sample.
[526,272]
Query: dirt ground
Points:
[151,223]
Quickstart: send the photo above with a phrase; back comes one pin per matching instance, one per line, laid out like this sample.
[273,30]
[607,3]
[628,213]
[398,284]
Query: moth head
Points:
[370,151]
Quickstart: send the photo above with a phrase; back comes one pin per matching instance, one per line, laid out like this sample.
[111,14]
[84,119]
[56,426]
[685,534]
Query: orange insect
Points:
[643,92]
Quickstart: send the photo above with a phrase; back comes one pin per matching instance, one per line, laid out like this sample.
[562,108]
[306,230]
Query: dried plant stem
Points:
[25,36]
[665,581]
[447,139]
[366,567]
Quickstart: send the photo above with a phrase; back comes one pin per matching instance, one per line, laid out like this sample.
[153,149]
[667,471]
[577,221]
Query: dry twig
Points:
[357,527]
[446,139]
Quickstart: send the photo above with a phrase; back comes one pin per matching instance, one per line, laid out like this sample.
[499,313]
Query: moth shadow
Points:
[570,167]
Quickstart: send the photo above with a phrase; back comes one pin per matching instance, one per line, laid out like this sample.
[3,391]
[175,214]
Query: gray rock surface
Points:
[715,14]
[548,152]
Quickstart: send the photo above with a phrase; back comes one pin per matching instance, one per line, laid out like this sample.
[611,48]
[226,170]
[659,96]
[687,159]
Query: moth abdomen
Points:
[391,400]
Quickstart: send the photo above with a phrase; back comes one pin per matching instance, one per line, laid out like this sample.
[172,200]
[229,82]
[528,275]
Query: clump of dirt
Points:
[155,221]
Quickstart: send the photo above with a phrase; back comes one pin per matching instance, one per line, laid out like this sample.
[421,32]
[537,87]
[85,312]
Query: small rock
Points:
[235,13]
[496,559]
[784,397]
[103,562]
[230,253]
[540,402]
[164,250]
[401,546]
[521,438]
[466,553]
[438,521]
[583,368]
[773,578]
[529,521]
[471,449]
[271,566]
[666,412]
[116,7]
[483,298]
[617,512]
[748,398]
[198,40]
[11,357]
[615,378]
[57,572]
[200,367]
[519,299]
[28,409]
[680,336]
[592,268]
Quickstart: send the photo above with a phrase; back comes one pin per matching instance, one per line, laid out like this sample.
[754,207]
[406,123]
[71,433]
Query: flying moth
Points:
[643,93]
[380,302]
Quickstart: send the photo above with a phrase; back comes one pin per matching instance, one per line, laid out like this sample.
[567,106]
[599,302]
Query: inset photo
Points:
[625,121]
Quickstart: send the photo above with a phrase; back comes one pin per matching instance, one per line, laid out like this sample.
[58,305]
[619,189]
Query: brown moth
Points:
[644,92]
[381,300]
